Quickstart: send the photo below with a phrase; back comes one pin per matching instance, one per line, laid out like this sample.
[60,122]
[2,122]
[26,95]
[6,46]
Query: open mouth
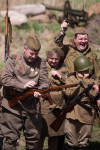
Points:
[83,45]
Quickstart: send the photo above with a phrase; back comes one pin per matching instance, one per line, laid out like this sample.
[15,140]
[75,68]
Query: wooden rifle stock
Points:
[12,102]
[6,33]
[48,97]
[56,124]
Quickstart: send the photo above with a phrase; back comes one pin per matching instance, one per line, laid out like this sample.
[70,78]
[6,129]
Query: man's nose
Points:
[83,40]
[54,60]
[33,56]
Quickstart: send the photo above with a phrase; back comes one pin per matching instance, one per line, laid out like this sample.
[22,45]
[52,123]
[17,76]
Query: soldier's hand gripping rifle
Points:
[12,102]
[59,120]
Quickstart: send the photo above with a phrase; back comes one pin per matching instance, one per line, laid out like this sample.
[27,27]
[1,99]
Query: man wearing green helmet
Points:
[82,63]
[79,121]
[78,46]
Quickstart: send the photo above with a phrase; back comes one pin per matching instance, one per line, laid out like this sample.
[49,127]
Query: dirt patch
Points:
[93,29]
[94,9]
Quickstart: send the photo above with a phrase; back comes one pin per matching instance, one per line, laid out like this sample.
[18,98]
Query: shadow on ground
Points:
[93,146]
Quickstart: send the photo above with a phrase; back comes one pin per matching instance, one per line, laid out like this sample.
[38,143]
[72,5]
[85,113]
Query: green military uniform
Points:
[71,52]
[57,98]
[58,103]
[79,121]
[13,120]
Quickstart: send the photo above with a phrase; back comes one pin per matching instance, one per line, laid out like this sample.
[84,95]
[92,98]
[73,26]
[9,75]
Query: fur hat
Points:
[33,42]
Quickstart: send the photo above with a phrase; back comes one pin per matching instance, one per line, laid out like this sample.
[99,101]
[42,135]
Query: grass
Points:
[94,143]
[40,28]
[1,64]
[70,33]
[81,3]
[96,51]
[95,139]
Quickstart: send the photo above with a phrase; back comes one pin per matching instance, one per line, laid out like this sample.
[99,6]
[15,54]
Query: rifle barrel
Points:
[12,102]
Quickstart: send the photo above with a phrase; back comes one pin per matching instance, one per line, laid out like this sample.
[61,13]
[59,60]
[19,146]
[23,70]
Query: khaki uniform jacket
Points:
[71,52]
[16,76]
[58,101]
[78,112]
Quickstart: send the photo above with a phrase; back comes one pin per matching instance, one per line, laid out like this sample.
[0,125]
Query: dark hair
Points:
[78,33]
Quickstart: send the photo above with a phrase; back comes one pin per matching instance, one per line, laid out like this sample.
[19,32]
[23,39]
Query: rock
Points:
[30,9]
[94,9]
[16,18]
[49,14]
[93,29]
[41,18]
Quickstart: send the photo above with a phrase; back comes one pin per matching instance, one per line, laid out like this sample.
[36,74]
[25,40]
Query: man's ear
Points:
[24,49]
[74,39]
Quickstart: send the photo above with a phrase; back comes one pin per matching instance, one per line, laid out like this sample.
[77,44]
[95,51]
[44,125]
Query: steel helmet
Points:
[82,63]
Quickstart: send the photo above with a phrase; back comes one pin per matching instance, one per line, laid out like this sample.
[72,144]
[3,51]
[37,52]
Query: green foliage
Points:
[37,27]
[53,27]
[97,0]
[96,29]
[95,134]
[69,34]
[2,27]
[15,29]
[1,64]
[96,51]
[99,60]
[99,40]
[2,24]
[41,27]
[80,3]
[26,26]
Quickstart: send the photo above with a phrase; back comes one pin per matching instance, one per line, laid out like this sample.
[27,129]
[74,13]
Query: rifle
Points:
[59,120]
[6,33]
[12,102]
[7,27]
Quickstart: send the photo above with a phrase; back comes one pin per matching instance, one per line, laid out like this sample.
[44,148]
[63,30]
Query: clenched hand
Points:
[29,84]
[37,94]
[55,73]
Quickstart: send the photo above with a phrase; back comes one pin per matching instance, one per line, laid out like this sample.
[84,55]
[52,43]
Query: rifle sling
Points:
[29,111]
[10,30]
[54,107]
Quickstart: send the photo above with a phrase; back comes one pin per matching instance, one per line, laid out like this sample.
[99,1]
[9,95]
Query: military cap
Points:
[53,48]
[80,30]
[33,42]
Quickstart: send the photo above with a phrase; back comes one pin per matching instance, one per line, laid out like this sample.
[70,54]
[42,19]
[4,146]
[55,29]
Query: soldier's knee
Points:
[9,144]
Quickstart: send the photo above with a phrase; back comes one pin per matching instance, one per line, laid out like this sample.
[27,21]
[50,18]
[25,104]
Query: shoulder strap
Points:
[18,57]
